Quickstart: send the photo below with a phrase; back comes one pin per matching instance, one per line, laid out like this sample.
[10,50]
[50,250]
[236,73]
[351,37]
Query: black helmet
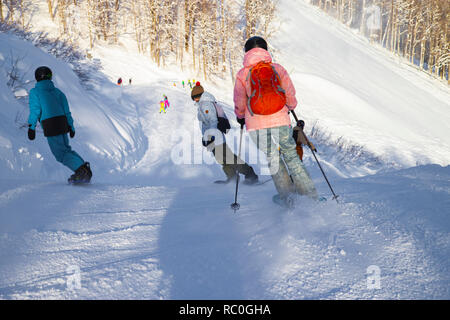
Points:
[43,73]
[255,42]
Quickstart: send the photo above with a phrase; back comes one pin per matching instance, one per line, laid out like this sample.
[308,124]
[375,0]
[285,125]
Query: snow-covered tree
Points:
[415,29]
[259,14]
[212,33]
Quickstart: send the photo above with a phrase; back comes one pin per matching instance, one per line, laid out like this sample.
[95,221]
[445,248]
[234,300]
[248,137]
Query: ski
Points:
[286,204]
[259,183]
[223,181]
[289,203]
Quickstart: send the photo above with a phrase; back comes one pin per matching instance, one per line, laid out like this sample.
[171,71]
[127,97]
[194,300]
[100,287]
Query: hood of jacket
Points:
[256,55]
[207,97]
[45,85]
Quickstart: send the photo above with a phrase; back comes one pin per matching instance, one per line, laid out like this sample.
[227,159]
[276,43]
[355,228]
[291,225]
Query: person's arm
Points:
[200,117]
[209,114]
[35,110]
[288,87]
[67,113]
[240,98]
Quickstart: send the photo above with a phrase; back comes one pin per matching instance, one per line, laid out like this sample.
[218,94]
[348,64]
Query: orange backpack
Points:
[267,95]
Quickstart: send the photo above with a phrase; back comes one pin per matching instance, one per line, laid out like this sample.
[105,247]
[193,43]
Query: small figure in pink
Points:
[166,102]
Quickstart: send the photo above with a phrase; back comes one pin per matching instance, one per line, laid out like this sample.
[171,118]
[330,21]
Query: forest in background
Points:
[209,35]
[417,30]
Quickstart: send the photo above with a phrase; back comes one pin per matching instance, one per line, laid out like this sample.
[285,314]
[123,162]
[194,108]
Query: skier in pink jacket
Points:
[272,133]
[166,102]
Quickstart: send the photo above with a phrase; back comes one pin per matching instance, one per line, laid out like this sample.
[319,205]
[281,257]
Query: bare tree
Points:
[415,29]
[1,11]
[50,8]
[211,33]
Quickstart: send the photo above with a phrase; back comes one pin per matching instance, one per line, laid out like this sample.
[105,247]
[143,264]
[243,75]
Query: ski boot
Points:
[227,181]
[82,175]
[285,202]
[251,179]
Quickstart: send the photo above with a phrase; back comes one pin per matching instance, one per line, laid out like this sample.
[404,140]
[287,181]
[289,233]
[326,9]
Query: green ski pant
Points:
[277,142]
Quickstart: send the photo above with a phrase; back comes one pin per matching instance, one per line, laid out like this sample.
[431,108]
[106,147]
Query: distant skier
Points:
[263,96]
[213,123]
[162,106]
[49,106]
[190,84]
[129,82]
[182,82]
[166,102]
[119,82]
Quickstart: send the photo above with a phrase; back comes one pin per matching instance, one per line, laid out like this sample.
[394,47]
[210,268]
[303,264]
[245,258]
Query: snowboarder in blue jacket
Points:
[49,106]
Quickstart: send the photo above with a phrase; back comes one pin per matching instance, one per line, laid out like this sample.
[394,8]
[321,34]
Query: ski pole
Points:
[235,206]
[313,150]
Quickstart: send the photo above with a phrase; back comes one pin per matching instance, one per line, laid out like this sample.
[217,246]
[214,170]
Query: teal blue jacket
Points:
[46,101]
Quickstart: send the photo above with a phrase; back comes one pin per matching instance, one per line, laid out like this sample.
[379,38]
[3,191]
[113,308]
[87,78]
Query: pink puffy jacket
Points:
[242,92]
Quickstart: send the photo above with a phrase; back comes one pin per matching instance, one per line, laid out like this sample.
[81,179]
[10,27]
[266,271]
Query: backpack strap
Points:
[252,93]
[279,88]
[222,113]
[223,124]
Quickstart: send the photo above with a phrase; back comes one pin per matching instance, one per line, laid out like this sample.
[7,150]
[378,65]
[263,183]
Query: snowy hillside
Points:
[152,225]
[117,144]
[358,92]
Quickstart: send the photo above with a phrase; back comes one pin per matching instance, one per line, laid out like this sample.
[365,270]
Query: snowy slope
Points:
[361,93]
[153,226]
[142,242]
[113,127]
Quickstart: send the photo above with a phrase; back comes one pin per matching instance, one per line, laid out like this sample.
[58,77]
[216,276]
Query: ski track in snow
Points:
[182,247]
[149,229]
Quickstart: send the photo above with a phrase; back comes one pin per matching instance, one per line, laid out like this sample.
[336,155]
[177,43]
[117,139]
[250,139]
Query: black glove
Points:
[71,132]
[295,136]
[223,125]
[31,133]
[207,143]
[241,122]
[301,124]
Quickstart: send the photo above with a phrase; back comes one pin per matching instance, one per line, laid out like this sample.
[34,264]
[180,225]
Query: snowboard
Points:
[79,182]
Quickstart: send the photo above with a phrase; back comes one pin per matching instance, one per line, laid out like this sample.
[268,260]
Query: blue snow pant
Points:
[59,145]
[274,142]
